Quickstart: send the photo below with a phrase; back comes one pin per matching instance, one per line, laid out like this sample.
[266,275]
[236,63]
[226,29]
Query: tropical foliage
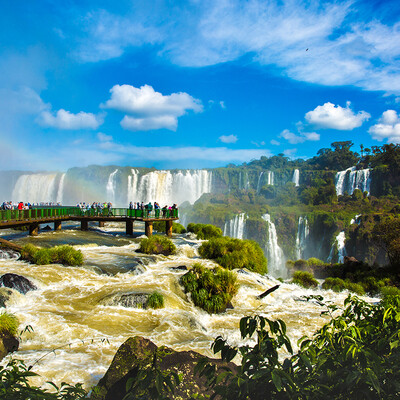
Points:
[157,245]
[64,254]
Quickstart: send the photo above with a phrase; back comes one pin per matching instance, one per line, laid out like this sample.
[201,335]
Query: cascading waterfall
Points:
[236,226]
[35,188]
[110,188]
[351,179]
[339,243]
[296,177]
[275,256]
[355,220]
[303,232]
[270,177]
[259,181]
[60,191]
[132,186]
[167,188]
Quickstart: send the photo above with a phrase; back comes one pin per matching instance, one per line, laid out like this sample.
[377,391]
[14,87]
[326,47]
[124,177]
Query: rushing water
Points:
[70,304]
[351,179]
[296,177]
[35,188]
[236,227]
[303,233]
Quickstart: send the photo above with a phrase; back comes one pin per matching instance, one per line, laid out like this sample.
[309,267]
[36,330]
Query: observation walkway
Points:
[35,216]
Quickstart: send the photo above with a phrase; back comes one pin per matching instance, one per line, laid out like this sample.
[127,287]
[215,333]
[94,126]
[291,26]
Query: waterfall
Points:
[270,177]
[351,179]
[355,220]
[132,186]
[303,232]
[296,177]
[110,188]
[35,188]
[339,243]
[60,191]
[275,256]
[167,188]
[259,181]
[235,227]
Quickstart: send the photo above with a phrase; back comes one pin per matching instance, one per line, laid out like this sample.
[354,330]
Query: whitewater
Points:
[74,309]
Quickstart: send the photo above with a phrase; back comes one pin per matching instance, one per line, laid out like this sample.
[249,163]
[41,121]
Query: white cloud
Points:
[149,109]
[387,128]
[228,138]
[150,123]
[290,152]
[216,154]
[330,116]
[361,53]
[300,138]
[103,137]
[23,100]
[222,104]
[67,120]
[275,142]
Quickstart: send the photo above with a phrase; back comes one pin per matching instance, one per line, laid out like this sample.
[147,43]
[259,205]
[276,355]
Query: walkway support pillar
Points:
[34,229]
[84,225]
[148,227]
[129,227]
[168,228]
[57,225]
[102,224]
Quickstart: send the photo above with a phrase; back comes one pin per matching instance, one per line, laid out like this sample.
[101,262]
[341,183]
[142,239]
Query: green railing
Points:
[39,213]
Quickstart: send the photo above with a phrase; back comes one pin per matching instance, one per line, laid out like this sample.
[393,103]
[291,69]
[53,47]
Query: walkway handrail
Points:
[39,213]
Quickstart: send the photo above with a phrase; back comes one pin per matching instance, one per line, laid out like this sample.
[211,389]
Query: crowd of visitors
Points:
[149,207]
[9,205]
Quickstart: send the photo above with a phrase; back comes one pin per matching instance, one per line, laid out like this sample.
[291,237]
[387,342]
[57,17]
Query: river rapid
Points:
[73,309]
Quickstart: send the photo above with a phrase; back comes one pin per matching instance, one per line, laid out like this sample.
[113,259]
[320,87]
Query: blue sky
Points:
[193,84]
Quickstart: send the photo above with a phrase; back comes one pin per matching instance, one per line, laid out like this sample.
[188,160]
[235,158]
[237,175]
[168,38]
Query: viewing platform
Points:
[36,216]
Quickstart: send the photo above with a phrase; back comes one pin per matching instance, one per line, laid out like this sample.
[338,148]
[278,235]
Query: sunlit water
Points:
[68,312]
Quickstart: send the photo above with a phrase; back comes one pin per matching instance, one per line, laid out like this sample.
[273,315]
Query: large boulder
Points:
[8,344]
[138,353]
[130,300]
[17,282]
[5,294]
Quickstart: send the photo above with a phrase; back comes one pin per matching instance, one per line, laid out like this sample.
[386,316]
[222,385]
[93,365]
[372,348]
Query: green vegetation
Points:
[157,244]
[210,289]
[304,279]
[338,285]
[353,356]
[64,254]
[159,226]
[204,231]
[235,253]
[15,385]
[156,300]
[8,324]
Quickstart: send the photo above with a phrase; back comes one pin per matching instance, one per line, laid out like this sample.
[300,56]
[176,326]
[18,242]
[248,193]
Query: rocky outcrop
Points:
[138,353]
[130,300]
[17,282]
[8,344]
[5,294]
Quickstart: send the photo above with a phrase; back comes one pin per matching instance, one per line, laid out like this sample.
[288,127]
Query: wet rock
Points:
[243,271]
[179,268]
[17,282]
[137,269]
[138,353]
[6,254]
[129,300]
[8,344]
[5,295]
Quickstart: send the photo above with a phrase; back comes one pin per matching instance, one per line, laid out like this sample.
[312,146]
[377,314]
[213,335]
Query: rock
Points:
[137,270]
[179,268]
[5,295]
[129,300]
[6,254]
[8,344]
[46,228]
[138,353]
[17,282]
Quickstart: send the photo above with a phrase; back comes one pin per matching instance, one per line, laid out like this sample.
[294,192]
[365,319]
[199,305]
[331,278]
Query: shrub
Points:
[390,291]
[210,289]
[314,262]
[156,300]
[235,253]
[304,279]
[157,245]
[65,254]
[205,231]
[300,264]
[8,324]
[338,285]
[159,226]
